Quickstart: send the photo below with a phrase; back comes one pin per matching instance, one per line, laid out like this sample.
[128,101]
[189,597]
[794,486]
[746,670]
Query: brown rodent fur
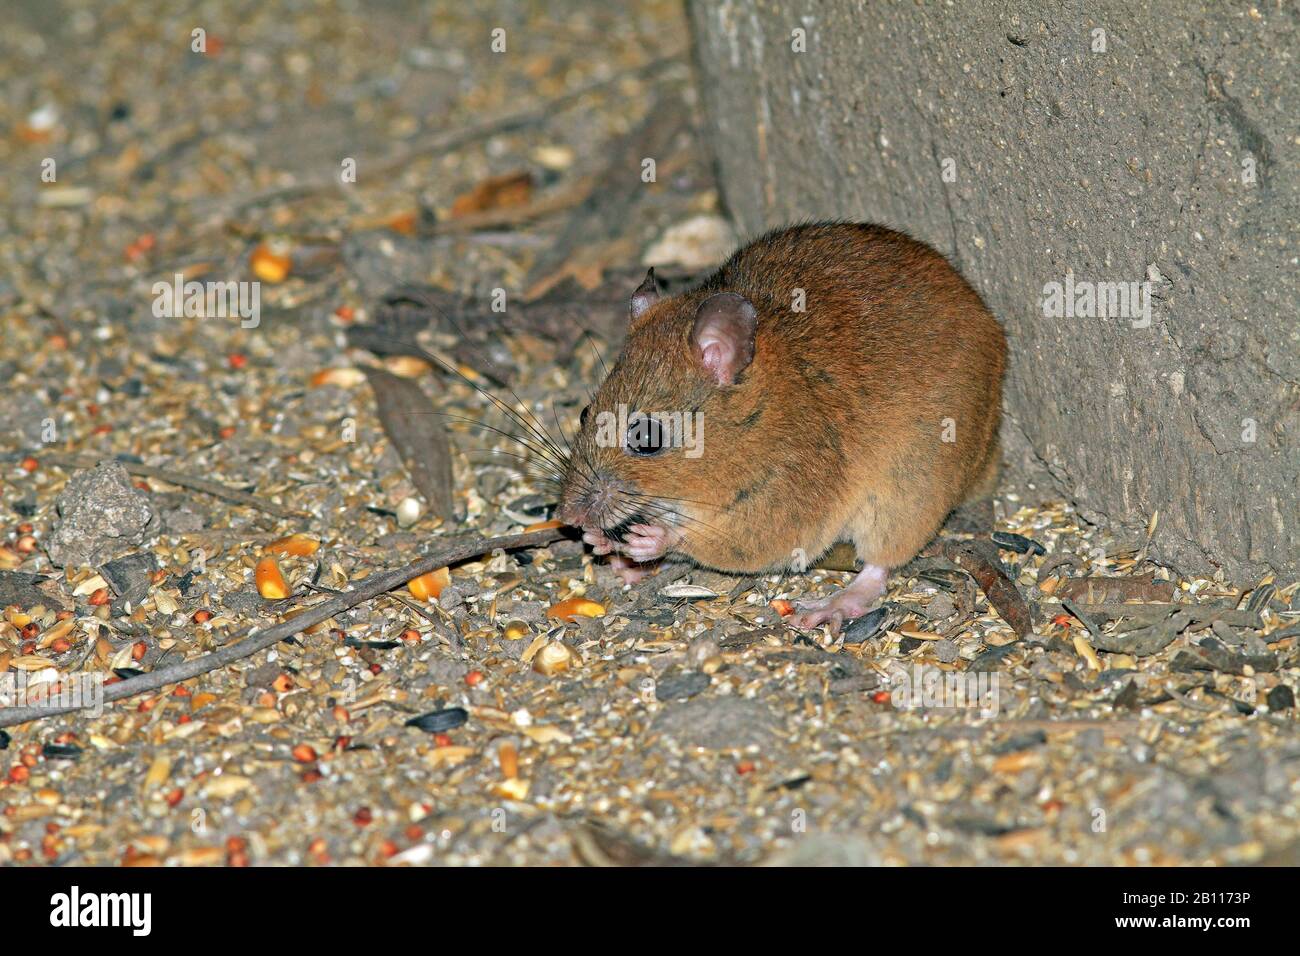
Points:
[866,417]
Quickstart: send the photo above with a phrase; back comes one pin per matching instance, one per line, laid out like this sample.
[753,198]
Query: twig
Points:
[444,141]
[213,488]
[371,587]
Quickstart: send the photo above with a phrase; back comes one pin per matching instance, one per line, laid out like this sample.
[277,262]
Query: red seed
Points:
[181,691]
[18,773]
[138,650]
[441,740]
[387,849]
[881,697]
[99,597]
[304,753]
[29,464]
[363,817]
[227,432]
[744,767]
[202,616]
[236,844]
[474,678]
[237,359]
[1061,620]
[26,544]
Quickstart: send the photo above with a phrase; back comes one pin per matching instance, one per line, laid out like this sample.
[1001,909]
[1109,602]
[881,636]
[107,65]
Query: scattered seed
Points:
[439,721]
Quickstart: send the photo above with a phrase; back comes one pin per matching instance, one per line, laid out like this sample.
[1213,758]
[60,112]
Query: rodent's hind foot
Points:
[846,604]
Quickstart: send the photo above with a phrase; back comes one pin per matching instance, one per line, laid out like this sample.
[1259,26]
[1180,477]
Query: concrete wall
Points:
[1122,141]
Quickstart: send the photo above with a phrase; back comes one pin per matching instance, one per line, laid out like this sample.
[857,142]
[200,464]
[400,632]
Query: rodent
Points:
[848,382]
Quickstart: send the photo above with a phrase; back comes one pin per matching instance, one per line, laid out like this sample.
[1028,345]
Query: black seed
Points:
[126,673]
[944,578]
[437,721]
[1017,543]
[373,645]
[60,751]
[4,739]
[1281,697]
[909,644]
[868,626]
[1019,742]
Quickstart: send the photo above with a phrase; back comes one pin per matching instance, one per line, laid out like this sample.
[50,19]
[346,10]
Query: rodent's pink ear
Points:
[646,295]
[723,335]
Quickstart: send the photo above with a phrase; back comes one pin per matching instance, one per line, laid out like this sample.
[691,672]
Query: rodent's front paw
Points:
[647,542]
[599,543]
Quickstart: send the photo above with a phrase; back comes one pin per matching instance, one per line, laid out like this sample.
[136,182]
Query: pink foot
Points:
[648,541]
[645,544]
[844,605]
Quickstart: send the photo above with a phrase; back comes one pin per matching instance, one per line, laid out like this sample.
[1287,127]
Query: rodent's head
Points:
[659,440]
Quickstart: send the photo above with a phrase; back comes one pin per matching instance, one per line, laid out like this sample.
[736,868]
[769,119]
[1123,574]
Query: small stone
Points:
[946,651]
[408,512]
[20,588]
[682,685]
[1281,697]
[262,676]
[130,577]
[940,608]
[451,598]
[101,515]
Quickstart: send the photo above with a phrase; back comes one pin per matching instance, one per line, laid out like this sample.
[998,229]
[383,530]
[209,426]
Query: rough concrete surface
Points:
[1163,148]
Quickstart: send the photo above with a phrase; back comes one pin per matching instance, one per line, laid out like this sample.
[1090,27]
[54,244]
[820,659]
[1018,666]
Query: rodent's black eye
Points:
[645,435]
[582,417]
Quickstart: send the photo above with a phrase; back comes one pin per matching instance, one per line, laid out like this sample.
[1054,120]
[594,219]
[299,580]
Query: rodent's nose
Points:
[571,514]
